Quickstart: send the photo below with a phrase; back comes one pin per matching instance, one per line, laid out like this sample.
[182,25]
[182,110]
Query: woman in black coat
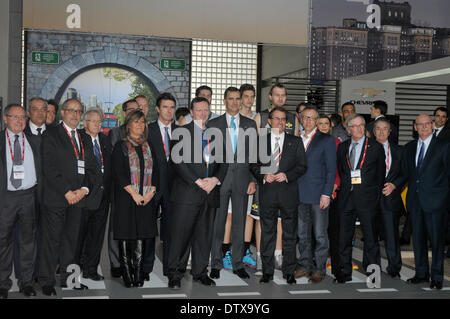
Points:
[135,176]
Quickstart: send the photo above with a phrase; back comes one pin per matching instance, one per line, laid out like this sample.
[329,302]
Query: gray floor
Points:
[230,286]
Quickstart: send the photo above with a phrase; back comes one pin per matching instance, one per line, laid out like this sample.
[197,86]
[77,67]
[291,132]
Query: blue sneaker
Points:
[248,259]
[227,264]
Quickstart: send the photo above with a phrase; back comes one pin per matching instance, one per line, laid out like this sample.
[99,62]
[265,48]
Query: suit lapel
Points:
[286,147]
[66,139]
[158,137]
[361,155]
[3,148]
[427,156]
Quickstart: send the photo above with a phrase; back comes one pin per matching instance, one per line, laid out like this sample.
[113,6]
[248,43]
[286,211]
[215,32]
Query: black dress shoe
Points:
[205,280]
[146,276]
[28,291]
[94,277]
[116,272]
[241,273]
[49,291]
[265,278]
[3,293]
[342,279]
[404,242]
[82,287]
[174,284]
[417,280]
[436,284]
[215,273]
[394,274]
[290,279]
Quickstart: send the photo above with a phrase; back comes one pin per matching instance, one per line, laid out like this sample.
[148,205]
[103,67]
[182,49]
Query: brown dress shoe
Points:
[316,278]
[300,273]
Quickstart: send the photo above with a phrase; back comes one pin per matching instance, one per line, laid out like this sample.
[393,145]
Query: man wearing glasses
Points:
[425,167]
[69,175]
[20,179]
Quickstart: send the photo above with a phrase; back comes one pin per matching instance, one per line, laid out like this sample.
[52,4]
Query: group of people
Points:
[59,184]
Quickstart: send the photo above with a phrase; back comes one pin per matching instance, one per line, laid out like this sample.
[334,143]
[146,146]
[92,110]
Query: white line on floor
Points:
[90,297]
[378,290]
[230,294]
[306,292]
[165,296]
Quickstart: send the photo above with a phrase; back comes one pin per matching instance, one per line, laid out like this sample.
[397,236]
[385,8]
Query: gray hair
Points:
[91,110]
[37,98]
[352,117]
[384,120]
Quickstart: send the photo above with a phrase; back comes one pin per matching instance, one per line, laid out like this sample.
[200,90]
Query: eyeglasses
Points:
[17,117]
[424,124]
[357,126]
[308,118]
[72,111]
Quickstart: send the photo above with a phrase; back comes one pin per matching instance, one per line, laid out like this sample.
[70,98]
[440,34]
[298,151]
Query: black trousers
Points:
[92,233]
[289,224]
[371,250]
[390,223]
[333,235]
[18,208]
[166,235]
[191,225]
[60,235]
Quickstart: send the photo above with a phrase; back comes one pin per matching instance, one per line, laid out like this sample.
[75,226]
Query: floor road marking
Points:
[233,294]
[307,292]
[429,289]
[164,296]
[378,290]
[90,297]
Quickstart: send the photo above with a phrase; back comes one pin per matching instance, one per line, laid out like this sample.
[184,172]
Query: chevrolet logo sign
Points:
[366,92]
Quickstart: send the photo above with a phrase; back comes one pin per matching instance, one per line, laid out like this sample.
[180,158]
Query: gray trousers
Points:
[313,219]
[18,208]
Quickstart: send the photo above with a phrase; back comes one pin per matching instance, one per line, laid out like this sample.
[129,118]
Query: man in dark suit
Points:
[20,178]
[362,168]
[390,201]
[278,190]
[315,188]
[69,169]
[378,110]
[159,139]
[195,196]
[425,166]
[441,128]
[95,215]
[114,136]
[237,184]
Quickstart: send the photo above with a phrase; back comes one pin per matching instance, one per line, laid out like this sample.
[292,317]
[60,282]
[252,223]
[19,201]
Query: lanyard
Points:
[23,147]
[387,159]
[73,144]
[307,145]
[364,155]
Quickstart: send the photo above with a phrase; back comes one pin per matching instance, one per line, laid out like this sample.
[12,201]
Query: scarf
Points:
[135,168]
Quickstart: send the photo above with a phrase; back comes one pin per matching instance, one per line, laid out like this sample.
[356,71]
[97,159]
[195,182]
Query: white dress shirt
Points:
[163,131]
[236,121]
[388,153]
[34,127]
[69,130]
[419,145]
[308,137]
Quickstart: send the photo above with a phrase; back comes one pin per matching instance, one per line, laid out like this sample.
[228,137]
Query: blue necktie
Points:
[233,134]
[420,159]
[97,153]
[167,141]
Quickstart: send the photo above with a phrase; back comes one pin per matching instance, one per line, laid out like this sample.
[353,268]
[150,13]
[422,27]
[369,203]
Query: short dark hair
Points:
[37,98]
[300,104]
[324,116]
[231,89]
[133,116]
[71,100]
[381,105]
[247,87]
[181,111]
[277,108]
[165,96]
[313,108]
[54,103]
[125,104]
[196,100]
[203,87]
[442,109]
[277,85]
[348,103]
[335,119]
[382,119]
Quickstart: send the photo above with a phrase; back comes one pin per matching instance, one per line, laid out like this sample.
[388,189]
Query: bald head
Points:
[423,126]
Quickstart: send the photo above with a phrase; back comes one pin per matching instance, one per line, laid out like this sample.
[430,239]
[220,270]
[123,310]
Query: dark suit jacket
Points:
[184,190]
[292,163]
[445,134]
[60,168]
[241,165]
[367,194]
[4,175]
[394,201]
[393,137]
[321,173]
[428,188]
[166,169]
[94,199]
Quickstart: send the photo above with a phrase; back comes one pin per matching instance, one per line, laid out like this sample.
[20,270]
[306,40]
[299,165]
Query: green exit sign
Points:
[172,64]
[45,57]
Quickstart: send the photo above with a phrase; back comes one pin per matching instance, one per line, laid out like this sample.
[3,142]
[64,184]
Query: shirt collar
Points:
[427,141]
[312,133]
[161,125]
[236,117]
[34,127]
[360,142]
[68,128]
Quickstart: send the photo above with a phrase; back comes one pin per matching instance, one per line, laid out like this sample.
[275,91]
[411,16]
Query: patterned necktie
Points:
[17,161]
[353,155]
[421,153]
[167,141]
[233,134]
[276,152]
[97,153]
[39,129]
[74,139]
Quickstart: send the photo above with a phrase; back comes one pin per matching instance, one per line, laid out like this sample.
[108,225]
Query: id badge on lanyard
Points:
[19,172]
[80,167]
[356,176]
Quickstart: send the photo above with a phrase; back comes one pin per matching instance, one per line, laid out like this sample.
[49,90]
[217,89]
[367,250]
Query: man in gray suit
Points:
[237,130]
